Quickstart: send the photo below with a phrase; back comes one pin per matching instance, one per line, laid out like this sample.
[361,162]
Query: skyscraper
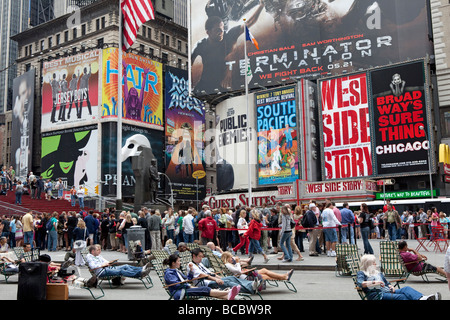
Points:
[14,19]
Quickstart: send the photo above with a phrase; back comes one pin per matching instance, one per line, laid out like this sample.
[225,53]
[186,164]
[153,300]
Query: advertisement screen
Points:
[400,119]
[185,125]
[142,92]
[70,91]
[276,123]
[300,38]
[22,124]
[346,127]
[234,137]
[72,155]
[109,156]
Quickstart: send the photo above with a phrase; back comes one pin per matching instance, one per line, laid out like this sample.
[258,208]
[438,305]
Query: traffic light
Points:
[96,189]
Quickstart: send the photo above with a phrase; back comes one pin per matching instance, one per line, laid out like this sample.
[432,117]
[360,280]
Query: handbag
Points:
[80,244]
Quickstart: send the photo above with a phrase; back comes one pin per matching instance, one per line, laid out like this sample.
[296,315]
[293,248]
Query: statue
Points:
[154,179]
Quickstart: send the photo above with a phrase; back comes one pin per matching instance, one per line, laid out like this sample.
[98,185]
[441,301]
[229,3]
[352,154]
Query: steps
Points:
[8,206]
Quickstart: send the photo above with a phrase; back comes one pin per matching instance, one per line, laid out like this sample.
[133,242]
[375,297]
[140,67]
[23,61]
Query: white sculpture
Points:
[130,149]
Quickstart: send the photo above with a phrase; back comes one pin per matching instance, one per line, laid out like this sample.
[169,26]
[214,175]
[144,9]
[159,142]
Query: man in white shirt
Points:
[188,227]
[102,267]
[197,268]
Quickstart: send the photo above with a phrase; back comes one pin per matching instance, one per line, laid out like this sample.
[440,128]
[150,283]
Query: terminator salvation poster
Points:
[306,38]
[400,119]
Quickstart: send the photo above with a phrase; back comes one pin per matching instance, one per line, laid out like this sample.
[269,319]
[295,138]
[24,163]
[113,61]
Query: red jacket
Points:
[254,230]
[207,226]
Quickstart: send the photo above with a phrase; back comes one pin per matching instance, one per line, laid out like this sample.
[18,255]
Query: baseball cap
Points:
[312,205]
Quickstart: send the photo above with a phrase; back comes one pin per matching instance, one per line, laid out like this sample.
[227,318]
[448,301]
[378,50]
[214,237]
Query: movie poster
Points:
[235,135]
[70,91]
[72,155]
[400,119]
[346,127]
[109,156]
[276,125]
[185,125]
[22,124]
[301,38]
[142,92]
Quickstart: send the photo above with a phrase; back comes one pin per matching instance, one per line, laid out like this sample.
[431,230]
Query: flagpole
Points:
[248,118]
[119,114]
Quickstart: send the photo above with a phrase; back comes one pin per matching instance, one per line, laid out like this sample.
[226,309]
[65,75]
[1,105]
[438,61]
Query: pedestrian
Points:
[348,220]
[242,226]
[364,220]
[286,234]
[19,192]
[52,234]
[329,224]
[254,234]
[80,196]
[392,222]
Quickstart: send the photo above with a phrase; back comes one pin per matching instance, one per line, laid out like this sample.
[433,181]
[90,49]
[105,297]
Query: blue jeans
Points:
[365,237]
[254,245]
[344,233]
[52,240]
[73,201]
[81,201]
[18,197]
[60,193]
[170,234]
[405,293]
[28,238]
[231,281]
[124,271]
[285,244]
[392,230]
[188,238]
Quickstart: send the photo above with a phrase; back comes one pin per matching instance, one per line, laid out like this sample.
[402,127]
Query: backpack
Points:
[49,225]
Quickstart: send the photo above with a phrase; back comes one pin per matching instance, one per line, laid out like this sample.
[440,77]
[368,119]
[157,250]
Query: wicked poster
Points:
[72,155]
[301,38]
[185,125]
[400,123]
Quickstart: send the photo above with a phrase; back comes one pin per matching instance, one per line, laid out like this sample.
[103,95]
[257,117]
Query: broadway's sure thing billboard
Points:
[71,154]
[70,91]
[345,127]
[109,155]
[22,124]
[375,123]
[301,38]
[142,92]
[235,128]
[276,124]
[185,125]
[399,111]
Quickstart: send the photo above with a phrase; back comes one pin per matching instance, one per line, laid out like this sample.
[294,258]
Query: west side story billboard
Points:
[303,38]
[376,123]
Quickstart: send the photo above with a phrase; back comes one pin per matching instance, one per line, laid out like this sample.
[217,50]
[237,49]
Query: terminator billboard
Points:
[306,38]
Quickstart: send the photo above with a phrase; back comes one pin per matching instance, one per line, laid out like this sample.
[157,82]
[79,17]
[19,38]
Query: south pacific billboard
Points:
[376,123]
[72,155]
[276,126]
[301,38]
[142,89]
[70,91]
[185,126]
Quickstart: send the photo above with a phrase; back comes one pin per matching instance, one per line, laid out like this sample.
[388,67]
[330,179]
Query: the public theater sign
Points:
[341,188]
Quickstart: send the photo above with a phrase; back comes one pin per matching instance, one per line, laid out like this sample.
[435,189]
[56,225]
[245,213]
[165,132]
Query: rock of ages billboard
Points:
[276,124]
[71,154]
[185,125]
[301,38]
[70,90]
[399,112]
[346,138]
[142,89]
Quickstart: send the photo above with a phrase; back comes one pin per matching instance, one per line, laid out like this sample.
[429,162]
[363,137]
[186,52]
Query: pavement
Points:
[314,278]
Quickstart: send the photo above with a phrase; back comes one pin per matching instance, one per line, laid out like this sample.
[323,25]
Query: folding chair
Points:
[342,250]
[421,241]
[391,262]
[438,239]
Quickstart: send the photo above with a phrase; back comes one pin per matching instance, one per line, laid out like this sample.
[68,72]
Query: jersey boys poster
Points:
[346,127]
[300,38]
[142,93]
[276,125]
[185,125]
[70,91]
[400,119]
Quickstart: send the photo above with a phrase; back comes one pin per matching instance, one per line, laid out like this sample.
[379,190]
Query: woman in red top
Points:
[254,234]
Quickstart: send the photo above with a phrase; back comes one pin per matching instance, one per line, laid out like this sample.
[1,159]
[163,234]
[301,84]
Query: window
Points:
[445,122]
[152,52]
[167,40]
[31,49]
[179,45]
[142,48]
[50,42]
[162,37]
[58,39]
[103,22]
[144,31]
[97,24]
[165,57]
[100,43]
[42,45]
[27,67]
[66,36]
[83,29]
[74,36]
[26,51]
[163,4]
[149,33]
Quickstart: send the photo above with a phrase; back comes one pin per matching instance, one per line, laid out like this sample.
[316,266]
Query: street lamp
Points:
[171,190]
[429,158]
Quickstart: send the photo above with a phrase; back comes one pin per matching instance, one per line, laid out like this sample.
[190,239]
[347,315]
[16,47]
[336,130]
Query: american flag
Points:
[135,14]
